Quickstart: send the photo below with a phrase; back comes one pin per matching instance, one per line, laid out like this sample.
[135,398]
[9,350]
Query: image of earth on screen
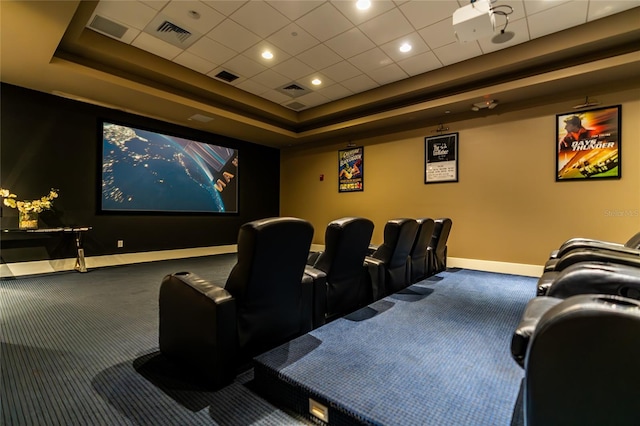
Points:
[145,171]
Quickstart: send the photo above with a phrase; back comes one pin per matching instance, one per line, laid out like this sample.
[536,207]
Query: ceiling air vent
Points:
[107,27]
[297,106]
[226,76]
[172,33]
[293,89]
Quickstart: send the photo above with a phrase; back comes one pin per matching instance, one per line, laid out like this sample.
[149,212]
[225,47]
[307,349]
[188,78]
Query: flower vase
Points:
[28,220]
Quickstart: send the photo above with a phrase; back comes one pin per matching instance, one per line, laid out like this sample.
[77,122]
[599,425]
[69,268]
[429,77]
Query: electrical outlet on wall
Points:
[120,243]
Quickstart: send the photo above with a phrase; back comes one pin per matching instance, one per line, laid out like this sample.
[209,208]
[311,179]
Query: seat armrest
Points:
[588,244]
[376,277]
[313,257]
[198,326]
[372,249]
[530,318]
[316,281]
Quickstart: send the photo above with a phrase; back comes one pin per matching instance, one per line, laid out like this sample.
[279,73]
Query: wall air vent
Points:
[293,89]
[107,27]
[164,29]
[226,76]
[297,106]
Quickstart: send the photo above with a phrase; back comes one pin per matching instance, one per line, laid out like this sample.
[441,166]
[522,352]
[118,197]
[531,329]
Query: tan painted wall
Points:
[506,206]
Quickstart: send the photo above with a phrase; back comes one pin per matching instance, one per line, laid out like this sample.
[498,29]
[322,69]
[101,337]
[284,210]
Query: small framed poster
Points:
[351,169]
[588,144]
[441,158]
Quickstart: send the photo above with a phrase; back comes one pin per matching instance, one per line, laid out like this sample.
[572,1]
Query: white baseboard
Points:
[499,267]
[19,269]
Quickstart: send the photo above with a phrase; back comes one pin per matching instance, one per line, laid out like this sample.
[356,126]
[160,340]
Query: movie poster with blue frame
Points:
[351,169]
[588,145]
[441,158]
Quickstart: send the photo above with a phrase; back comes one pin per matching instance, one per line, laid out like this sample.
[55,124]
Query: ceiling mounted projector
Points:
[474,21]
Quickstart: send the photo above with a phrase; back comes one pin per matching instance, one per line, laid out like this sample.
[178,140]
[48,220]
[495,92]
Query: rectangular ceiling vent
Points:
[107,27]
[296,106]
[293,89]
[226,76]
[172,33]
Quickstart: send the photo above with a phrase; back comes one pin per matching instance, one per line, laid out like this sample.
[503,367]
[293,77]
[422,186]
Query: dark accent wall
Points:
[47,141]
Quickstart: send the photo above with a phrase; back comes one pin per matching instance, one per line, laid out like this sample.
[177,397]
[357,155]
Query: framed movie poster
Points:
[441,158]
[588,144]
[351,169]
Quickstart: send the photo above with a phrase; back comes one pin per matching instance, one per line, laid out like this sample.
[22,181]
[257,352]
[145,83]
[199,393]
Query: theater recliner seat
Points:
[389,265]
[581,363]
[342,262]
[265,302]
[438,245]
[588,243]
[420,266]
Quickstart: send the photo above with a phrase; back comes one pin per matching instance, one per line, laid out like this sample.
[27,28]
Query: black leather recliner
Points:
[589,243]
[420,251]
[342,261]
[581,362]
[438,245]
[264,303]
[389,265]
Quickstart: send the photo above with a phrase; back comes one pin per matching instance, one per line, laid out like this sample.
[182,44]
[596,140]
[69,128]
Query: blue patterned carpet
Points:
[436,353]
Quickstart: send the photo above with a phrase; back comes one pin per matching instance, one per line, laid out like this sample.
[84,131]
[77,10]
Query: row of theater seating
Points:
[278,290]
[579,338]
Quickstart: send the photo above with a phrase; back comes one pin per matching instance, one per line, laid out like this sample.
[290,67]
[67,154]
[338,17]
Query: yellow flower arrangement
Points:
[35,206]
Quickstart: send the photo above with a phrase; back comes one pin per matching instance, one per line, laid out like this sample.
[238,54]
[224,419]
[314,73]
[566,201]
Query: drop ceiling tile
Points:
[457,52]
[260,18]
[252,87]
[293,39]
[225,7]
[357,16]
[293,68]
[132,14]
[156,46]
[600,9]
[535,6]
[370,60]
[243,66]
[516,5]
[313,99]
[350,43]
[335,92]
[294,9]
[324,22]
[255,54]
[386,27]
[180,12]
[425,13]
[419,64]
[276,97]
[359,83]
[194,62]
[387,74]
[341,71]
[271,79]
[233,35]
[418,46]
[211,51]
[559,18]
[319,57]
[156,4]
[518,28]
[438,34]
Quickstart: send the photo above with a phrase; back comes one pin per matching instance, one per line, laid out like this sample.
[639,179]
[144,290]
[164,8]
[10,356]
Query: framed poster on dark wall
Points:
[588,144]
[441,158]
[351,169]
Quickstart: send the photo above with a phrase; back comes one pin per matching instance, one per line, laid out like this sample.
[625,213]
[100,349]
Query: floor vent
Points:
[226,76]
[107,27]
[293,89]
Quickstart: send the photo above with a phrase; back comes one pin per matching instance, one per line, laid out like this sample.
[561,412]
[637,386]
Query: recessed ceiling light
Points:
[316,82]
[363,4]
[406,47]
[267,54]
